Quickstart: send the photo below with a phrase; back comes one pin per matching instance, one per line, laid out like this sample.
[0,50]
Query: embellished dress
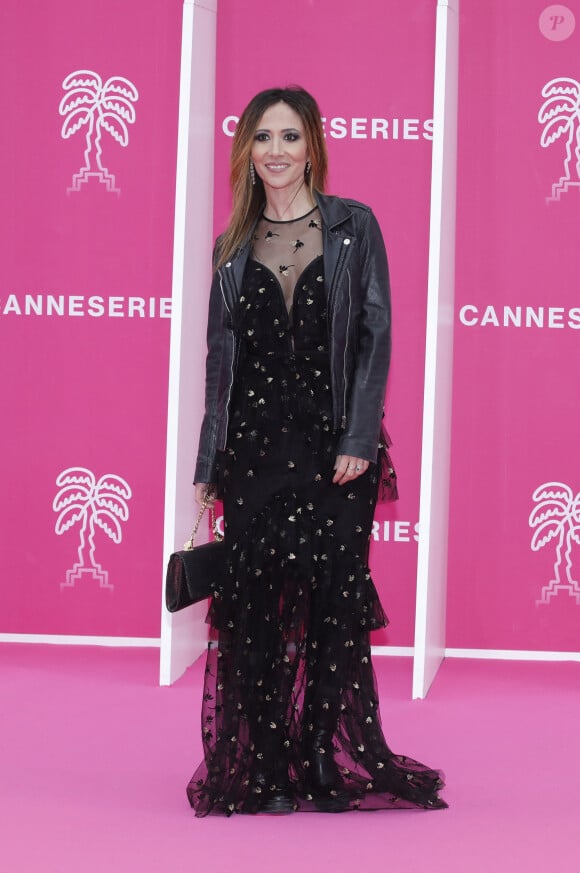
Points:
[291,658]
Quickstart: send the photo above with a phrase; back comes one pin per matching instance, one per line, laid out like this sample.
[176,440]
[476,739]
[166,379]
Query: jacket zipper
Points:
[343,422]
[332,297]
[227,410]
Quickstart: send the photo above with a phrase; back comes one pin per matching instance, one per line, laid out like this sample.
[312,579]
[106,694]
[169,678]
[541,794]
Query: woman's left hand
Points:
[348,468]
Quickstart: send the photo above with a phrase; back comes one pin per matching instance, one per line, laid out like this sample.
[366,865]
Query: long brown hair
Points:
[248,198]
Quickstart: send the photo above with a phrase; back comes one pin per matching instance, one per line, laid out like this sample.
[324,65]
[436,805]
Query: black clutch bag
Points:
[194,572]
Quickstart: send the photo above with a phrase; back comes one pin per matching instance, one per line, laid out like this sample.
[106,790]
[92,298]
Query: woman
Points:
[298,354]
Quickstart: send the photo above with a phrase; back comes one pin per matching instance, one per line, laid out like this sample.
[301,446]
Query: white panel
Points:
[435,460]
[396,651]
[512,655]
[84,640]
[184,635]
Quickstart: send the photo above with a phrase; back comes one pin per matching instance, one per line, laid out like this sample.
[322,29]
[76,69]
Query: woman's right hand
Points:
[201,491]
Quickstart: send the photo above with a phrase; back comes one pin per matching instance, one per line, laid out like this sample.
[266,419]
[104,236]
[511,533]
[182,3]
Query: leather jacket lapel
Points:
[331,252]
[334,213]
[238,267]
[232,273]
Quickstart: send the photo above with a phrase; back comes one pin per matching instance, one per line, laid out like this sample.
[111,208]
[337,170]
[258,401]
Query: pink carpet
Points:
[95,758]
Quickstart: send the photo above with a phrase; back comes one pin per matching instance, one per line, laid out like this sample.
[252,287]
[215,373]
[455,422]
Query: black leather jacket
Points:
[359,318]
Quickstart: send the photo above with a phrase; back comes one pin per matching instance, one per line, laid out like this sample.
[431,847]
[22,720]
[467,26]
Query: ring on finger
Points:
[358,468]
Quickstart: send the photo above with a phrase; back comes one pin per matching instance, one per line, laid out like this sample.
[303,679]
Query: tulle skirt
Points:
[291,658]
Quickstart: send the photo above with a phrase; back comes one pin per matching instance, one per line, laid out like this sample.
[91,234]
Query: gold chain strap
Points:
[217,535]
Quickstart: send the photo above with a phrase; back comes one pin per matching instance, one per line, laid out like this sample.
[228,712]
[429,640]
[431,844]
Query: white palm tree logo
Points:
[97,107]
[94,504]
[560,115]
[557,517]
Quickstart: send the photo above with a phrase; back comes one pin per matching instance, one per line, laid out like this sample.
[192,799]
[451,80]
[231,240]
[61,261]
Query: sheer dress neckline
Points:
[287,248]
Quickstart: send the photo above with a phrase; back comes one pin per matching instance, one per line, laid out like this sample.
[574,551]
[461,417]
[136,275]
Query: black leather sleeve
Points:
[217,337]
[372,357]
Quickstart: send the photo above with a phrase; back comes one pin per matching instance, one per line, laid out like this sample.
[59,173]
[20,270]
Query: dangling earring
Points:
[308,167]
[252,172]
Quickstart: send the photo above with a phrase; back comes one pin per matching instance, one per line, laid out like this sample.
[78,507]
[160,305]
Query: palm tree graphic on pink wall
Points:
[556,517]
[83,500]
[560,115]
[97,108]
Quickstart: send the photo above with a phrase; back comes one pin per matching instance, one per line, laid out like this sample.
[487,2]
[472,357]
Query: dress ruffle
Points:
[289,563]
[294,618]
[388,489]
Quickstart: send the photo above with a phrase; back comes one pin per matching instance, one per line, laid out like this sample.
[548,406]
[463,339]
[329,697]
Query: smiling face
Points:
[279,151]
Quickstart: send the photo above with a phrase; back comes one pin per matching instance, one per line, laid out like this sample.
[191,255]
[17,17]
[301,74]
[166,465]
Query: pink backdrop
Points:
[84,380]
[85,388]
[89,391]
[516,419]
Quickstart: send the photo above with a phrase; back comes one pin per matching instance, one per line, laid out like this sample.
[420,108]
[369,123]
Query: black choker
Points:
[289,220]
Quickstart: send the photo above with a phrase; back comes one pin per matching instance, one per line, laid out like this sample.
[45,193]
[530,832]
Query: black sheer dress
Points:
[290,715]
